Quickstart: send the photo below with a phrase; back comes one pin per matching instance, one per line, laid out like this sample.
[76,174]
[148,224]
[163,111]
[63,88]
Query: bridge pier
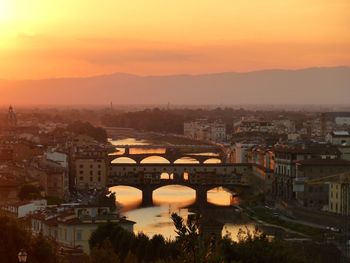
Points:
[201,195]
[147,196]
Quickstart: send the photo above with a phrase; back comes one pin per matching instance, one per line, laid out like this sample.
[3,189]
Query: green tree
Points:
[42,250]
[104,254]
[188,236]
[107,199]
[14,237]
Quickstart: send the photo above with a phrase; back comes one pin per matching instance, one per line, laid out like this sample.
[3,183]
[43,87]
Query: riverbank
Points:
[269,217]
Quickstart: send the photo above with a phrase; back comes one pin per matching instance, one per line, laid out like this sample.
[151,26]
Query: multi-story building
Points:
[91,167]
[52,177]
[284,126]
[285,169]
[240,152]
[253,125]
[263,160]
[57,156]
[309,189]
[342,140]
[71,226]
[21,209]
[342,120]
[217,132]
[339,198]
[202,129]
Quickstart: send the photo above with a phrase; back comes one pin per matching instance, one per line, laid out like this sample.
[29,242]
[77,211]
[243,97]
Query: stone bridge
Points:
[199,177]
[171,154]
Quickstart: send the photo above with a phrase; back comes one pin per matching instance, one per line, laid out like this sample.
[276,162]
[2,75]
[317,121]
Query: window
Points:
[99,166]
[91,172]
[79,235]
[81,166]
[81,172]
[99,172]
[81,178]
[91,179]
[99,179]
[91,166]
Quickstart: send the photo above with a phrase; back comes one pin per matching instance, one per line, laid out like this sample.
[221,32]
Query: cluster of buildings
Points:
[293,155]
[304,172]
[204,130]
[252,124]
[57,162]
[64,166]
[68,225]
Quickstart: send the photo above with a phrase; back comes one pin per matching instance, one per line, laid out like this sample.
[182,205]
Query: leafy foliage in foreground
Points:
[112,242]
[15,237]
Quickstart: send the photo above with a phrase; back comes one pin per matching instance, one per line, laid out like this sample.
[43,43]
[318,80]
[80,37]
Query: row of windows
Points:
[336,186]
[91,172]
[81,178]
[336,195]
[335,207]
[91,166]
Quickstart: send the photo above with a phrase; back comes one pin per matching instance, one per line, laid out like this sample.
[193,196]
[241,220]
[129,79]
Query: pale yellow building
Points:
[71,226]
[339,198]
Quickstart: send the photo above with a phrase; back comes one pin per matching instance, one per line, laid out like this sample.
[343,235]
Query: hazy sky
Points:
[49,38]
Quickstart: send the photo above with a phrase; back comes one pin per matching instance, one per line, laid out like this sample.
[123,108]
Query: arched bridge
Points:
[169,153]
[201,178]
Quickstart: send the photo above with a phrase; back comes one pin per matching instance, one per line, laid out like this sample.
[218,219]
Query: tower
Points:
[11,117]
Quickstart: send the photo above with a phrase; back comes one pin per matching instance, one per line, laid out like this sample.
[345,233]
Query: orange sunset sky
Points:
[51,38]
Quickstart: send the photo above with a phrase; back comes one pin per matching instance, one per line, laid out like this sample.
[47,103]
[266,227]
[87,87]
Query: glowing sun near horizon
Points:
[4,10]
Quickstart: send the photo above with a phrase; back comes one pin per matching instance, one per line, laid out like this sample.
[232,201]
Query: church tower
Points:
[11,117]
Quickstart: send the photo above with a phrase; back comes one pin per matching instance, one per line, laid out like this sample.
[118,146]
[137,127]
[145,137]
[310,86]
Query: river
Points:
[175,199]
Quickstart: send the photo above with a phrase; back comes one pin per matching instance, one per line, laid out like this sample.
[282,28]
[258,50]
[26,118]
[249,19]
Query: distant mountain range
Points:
[305,86]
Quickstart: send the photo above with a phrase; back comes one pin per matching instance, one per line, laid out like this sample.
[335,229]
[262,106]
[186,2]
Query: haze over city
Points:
[179,131]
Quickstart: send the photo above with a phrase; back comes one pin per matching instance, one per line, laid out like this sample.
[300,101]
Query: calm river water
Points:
[175,198]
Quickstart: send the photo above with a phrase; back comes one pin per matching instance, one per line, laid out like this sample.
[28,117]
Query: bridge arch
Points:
[222,196]
[185,160]
[213,160]
[155,159]
[174,184]
[123,159]
[128,196]
[119,185]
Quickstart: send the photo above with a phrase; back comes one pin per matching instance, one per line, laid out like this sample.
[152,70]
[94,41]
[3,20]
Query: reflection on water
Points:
[237,231]
[180,196]
[221,197]
[129,141]
[169,199]
[166,200]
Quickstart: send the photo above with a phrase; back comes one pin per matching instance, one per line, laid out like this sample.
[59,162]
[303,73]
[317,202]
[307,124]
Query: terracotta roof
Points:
[317,149]
[335,162]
